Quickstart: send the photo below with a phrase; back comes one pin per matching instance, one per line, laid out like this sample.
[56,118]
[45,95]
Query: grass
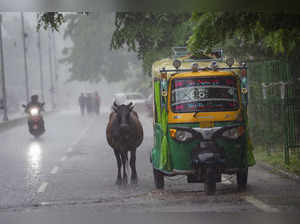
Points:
[276,159]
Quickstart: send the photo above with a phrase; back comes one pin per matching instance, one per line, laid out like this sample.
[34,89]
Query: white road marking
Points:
[259,204]
[83,133]
[43,187]
[54,170]
[63,158]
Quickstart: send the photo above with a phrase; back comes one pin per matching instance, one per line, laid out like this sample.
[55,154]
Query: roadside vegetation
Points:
[276,159]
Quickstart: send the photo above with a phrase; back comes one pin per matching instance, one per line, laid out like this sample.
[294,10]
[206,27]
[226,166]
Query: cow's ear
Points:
[131,106]
[115,106]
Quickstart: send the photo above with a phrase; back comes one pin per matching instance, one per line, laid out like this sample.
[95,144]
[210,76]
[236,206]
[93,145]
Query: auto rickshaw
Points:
[200,120]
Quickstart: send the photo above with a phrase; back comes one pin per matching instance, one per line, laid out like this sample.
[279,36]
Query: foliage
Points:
[276,160]
[267,32]
[90,58]
[150,34]
[151,37]
[51,20]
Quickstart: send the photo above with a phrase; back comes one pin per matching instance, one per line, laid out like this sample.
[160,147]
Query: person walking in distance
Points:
[82,103]
[97,103]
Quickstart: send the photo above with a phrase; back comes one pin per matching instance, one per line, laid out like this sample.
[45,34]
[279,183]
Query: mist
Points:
[67,89]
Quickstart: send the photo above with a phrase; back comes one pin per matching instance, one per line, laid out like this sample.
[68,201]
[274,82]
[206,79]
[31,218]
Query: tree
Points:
[151,37]
[150,34]
[51,20]
[245,34]
[90,58]
[274,34]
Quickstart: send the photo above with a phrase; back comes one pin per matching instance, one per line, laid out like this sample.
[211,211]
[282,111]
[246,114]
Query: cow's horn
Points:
[114,106]
[131,105]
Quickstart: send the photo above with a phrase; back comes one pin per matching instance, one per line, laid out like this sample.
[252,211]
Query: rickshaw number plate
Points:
[206,124]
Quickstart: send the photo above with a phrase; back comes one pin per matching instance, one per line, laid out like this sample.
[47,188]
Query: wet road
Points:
[71,169]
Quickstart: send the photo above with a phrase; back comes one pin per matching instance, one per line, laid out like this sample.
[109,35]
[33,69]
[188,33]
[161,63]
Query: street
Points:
[72,168]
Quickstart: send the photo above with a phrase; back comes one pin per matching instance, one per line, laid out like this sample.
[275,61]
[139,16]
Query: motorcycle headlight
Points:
[34,112]
[181,135]
[233,133]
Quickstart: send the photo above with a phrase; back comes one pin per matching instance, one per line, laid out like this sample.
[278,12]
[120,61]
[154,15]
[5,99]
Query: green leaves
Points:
[150,34]
[278,32]
[90,58]
[242,34]
[51,20]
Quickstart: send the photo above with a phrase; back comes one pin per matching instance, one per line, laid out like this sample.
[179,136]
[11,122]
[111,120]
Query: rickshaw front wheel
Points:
[210,183]
[158,179]
[242,178]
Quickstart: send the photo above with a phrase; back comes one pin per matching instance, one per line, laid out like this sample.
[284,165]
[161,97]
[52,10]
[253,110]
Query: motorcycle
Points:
[35,120]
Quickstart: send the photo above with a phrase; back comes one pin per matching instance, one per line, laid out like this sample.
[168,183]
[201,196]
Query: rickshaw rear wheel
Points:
[210,183]
[242,178]
[158,179]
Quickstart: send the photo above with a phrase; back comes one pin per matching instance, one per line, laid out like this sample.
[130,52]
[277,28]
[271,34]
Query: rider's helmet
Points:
[34,98]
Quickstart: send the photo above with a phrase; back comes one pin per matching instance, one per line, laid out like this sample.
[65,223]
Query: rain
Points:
[123,112]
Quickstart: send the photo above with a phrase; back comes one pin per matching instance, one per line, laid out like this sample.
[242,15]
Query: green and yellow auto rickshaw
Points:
[200,120]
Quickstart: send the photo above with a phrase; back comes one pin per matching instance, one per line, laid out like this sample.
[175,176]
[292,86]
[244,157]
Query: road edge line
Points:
[43,187]
[260,204]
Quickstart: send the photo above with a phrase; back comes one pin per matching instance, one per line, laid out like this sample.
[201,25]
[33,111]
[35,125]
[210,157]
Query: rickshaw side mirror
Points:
[164,84]
[164,87]
[244,86]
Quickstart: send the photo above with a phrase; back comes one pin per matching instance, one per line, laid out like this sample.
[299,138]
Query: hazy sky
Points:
[14,64]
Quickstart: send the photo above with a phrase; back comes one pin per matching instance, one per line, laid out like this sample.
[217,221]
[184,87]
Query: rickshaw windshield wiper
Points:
[196,113]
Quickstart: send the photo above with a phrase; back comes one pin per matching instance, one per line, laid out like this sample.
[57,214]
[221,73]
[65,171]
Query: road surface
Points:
[71,169]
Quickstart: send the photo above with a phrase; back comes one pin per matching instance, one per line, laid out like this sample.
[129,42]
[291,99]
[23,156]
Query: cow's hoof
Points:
[125,181]
[134,181]
[118,182]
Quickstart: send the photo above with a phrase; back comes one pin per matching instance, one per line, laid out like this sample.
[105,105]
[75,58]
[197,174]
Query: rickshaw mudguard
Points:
[250,155]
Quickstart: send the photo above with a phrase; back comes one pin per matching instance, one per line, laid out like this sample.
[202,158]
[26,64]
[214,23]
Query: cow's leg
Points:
[134,178]
[118,158]
[125,164]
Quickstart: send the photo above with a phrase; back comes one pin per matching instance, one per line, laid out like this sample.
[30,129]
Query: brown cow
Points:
[124,133]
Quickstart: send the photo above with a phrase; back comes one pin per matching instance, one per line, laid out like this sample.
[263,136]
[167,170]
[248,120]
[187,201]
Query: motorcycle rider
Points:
[35,103]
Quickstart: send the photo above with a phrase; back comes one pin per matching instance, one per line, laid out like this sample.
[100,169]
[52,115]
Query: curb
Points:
[7,125]
[277,170]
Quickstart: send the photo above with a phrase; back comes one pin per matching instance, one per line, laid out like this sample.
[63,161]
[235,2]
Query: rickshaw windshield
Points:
[204,94]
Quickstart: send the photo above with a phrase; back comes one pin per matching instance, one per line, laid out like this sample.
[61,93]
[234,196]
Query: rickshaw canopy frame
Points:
[163,70]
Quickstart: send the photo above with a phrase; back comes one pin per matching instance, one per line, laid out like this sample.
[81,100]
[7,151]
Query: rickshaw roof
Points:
[186,63]
[204,74]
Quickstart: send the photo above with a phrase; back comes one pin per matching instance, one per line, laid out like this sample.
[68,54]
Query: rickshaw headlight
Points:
[182,135]
[233,133]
